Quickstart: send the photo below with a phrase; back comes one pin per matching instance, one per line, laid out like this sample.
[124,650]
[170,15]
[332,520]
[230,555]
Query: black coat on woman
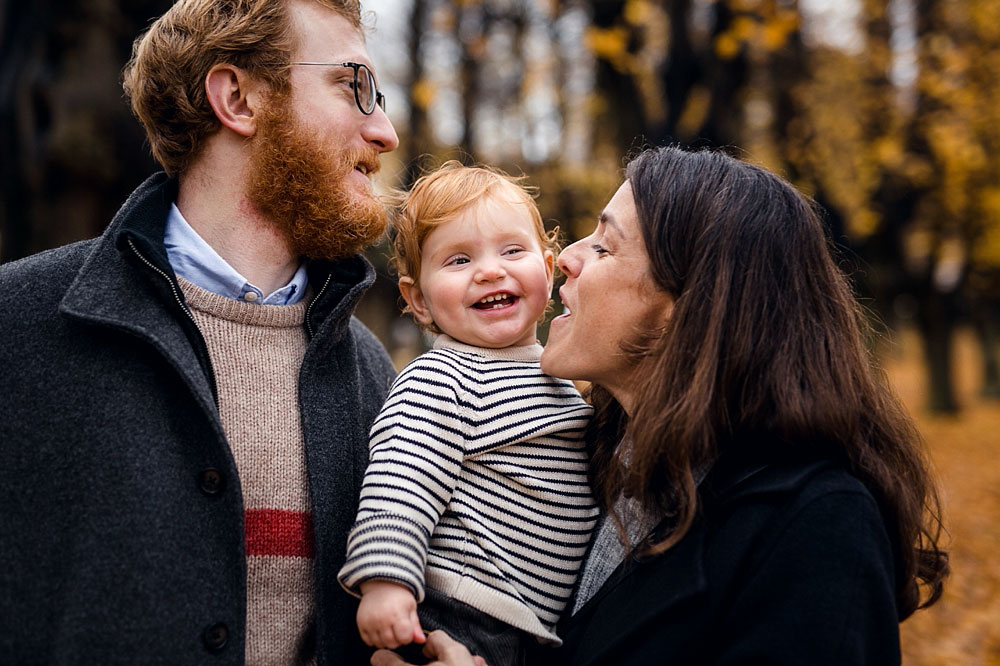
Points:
[787,563]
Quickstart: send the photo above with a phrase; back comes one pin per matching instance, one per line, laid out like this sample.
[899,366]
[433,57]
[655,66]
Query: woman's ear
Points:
[415,299]
[666,309]
[234,97]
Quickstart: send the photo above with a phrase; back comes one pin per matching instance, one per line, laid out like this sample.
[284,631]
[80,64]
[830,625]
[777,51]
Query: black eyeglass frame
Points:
[378,99]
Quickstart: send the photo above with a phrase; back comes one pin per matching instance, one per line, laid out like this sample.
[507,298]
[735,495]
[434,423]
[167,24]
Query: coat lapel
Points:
[126,284]
[638,591]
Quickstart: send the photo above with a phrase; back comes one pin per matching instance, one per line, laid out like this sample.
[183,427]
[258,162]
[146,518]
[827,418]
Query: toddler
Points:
[475,503]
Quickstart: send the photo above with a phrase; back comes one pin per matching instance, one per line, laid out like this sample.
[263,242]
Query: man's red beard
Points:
[299,184]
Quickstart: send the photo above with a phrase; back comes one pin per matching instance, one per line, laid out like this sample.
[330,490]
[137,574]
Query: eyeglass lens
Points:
[365,89]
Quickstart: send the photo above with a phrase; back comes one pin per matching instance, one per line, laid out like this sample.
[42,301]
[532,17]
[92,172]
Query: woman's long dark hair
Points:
[765,343]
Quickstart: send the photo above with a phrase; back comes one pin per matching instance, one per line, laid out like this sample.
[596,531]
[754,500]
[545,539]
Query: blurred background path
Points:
[963,629]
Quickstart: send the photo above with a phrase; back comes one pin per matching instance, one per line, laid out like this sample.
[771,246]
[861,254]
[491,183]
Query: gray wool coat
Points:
[121,517]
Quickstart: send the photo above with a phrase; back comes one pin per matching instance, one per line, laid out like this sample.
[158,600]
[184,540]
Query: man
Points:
[186,399]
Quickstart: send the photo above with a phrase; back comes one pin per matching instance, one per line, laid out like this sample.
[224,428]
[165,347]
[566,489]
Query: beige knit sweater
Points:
[256,353]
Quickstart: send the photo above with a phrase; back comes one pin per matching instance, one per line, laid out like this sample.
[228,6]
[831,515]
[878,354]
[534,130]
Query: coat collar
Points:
[639,590]
[140,294]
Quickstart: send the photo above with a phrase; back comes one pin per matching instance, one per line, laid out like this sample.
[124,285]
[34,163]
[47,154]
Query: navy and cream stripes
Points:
[477,486]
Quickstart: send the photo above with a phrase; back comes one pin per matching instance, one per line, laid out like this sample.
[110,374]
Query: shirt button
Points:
[211,481]
[251,296]
[216,637]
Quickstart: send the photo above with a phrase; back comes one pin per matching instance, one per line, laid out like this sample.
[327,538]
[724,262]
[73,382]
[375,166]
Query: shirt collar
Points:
[194,260]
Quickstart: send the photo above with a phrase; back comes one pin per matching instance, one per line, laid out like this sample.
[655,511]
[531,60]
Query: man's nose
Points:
[379,131]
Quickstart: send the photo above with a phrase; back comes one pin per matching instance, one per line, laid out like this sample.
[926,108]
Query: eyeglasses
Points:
[366,95]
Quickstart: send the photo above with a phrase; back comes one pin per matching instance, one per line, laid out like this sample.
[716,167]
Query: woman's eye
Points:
[598,249]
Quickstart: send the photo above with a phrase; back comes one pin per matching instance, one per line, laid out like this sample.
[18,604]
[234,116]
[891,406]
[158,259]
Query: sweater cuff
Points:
[385,547]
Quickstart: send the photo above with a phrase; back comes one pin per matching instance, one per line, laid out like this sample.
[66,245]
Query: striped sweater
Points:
[477,486]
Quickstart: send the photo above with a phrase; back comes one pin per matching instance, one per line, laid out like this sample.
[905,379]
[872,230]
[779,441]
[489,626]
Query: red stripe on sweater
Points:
[278,532]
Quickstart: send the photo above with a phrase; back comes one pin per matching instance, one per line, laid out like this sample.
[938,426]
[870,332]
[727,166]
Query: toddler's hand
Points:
[387,616]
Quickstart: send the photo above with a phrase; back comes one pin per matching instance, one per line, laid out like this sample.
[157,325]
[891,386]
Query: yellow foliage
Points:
[727,46]
[743,28]
[918,244]
[694,113]
[774,35]
[638,12]
[888,151]
[422,93]
[610,44]
[864,223]
[986,249]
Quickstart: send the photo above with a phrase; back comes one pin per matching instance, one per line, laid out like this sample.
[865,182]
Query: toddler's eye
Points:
[514,250]
[457,261]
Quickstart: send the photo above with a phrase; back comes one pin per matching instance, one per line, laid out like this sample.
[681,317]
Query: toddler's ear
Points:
[550,263]
[415,299]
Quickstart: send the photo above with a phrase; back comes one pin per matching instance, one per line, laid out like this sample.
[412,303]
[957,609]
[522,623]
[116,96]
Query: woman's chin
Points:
[552,359]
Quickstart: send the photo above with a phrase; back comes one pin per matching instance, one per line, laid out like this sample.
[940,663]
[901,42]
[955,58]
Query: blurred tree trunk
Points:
[22,54]
[892,199]
[683,71]
[937,299]
[986,322]
[71,150]
[419,141]
[727,75]
[470,35]
[618,122]
[787,70]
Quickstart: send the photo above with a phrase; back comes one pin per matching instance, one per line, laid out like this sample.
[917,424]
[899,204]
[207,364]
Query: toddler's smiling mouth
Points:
[494,301]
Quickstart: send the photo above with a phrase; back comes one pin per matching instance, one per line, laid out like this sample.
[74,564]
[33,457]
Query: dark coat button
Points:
[211,481]
[216,637]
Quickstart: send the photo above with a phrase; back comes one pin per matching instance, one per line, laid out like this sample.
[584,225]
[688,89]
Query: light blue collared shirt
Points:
[194,260]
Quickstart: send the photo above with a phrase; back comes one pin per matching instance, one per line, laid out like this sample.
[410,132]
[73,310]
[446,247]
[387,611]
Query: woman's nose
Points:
[569,260]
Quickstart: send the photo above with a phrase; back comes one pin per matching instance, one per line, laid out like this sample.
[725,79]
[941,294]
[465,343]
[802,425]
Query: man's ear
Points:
[415,299]
[234,97]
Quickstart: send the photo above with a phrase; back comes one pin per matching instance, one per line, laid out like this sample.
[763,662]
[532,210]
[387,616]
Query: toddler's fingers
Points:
[418,633]
[402,630]
[388,638]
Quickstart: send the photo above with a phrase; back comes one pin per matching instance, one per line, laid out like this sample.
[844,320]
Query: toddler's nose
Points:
[490,272]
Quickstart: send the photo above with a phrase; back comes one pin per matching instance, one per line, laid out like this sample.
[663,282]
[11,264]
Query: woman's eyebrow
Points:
[608,220]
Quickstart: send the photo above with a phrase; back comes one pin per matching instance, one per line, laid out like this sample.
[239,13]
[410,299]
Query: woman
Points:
[766,496]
